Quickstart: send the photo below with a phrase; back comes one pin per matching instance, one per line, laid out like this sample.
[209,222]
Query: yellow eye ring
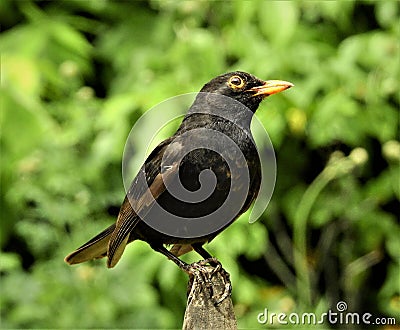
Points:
[236,82]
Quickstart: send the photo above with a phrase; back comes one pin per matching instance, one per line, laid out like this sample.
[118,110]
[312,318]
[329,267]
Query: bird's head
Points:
[245,88]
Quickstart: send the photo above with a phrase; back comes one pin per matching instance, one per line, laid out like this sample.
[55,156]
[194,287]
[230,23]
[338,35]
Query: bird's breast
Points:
[218,175]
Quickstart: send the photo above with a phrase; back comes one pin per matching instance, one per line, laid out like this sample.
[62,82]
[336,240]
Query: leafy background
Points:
[75,77]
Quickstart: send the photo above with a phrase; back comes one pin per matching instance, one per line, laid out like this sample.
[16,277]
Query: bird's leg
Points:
[200,250]
[207,257]
[194,270]
[181,264]
[218,268]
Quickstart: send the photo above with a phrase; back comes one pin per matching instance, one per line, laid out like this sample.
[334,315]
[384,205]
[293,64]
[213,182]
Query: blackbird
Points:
[213,149]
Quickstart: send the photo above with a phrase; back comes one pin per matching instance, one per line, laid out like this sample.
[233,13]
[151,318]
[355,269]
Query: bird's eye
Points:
[236,82]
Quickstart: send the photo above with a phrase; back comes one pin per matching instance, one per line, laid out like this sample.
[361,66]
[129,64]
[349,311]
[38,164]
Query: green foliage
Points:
[76,75]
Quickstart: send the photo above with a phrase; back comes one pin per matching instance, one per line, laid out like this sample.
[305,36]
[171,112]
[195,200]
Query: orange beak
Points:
[271,87]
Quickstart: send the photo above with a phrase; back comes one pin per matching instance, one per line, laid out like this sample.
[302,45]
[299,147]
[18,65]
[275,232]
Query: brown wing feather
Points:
[128,220]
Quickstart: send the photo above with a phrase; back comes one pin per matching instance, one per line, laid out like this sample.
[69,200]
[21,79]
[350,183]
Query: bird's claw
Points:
[201,273]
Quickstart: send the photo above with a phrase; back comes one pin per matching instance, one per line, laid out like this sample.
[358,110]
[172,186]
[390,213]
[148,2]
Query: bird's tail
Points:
[93,249]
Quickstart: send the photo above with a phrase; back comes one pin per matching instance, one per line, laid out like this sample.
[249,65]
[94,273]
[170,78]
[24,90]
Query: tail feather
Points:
[93,249]
[115,251]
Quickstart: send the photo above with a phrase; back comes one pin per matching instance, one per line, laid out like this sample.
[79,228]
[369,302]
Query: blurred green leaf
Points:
[336,119]
[278,20]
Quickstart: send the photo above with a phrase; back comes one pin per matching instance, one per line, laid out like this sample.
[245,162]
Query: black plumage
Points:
[213,135]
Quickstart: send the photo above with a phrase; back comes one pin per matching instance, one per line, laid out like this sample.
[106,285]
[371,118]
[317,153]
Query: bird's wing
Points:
[94,249]
[140,198]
